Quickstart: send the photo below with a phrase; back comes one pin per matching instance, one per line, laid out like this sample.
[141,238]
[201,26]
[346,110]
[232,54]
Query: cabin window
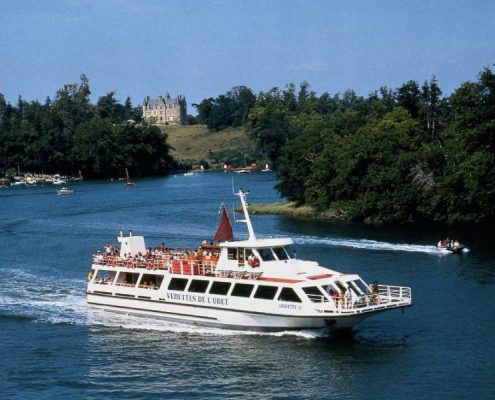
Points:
[151,281]
[265,292]
[266,254]
[240,254]
[198,286]
[232,254]
[130,278]
[353,287]
[314,294]
[177,284]
[341,286]
[281,253]
[242,290]
[288,294]
[360,284]
[221,288]
[105,277]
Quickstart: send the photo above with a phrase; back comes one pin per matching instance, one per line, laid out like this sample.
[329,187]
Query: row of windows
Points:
[266,254]
[239,290]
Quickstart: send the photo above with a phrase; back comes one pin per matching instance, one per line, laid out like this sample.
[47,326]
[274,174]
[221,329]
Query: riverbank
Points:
[290,209]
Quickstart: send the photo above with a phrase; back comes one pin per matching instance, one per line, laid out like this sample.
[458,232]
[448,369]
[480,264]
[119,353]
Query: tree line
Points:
[397,155]
[70,134]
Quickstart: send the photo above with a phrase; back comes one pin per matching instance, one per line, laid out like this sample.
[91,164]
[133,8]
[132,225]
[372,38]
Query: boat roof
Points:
[258,243]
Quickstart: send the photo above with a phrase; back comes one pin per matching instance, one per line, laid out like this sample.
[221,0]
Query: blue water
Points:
[53,346]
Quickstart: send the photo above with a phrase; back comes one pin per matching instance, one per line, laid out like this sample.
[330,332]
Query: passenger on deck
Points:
[253,261]
[99,257]
[108,249]
[335,297]
[348,298]
[374,292]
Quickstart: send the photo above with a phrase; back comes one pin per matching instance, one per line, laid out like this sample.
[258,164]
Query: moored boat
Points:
[128,180]
[254,284]
[64,191]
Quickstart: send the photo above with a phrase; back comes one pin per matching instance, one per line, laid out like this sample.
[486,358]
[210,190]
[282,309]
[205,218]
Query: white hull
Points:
[246,320]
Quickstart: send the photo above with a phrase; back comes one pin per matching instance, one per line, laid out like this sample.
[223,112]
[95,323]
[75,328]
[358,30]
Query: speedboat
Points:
[452,246]
[250,284]
[64,191]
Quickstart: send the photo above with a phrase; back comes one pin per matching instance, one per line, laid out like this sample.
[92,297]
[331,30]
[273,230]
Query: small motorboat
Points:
[452,246]
[64,191]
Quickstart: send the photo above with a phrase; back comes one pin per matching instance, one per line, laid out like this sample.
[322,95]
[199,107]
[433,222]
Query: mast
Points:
[247,219]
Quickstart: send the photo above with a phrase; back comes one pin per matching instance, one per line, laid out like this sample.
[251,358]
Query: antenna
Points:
[247,220]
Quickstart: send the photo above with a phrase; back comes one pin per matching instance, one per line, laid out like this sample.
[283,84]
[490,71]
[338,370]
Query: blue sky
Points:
[203,48]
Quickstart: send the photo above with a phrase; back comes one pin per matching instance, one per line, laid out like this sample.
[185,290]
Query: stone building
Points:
[165,110]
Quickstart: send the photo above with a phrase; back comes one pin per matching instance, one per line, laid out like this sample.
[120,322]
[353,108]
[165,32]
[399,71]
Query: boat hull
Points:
[221,318]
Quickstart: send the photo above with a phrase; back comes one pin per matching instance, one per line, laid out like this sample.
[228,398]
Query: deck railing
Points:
[394,293]
[386,295]
[178,264]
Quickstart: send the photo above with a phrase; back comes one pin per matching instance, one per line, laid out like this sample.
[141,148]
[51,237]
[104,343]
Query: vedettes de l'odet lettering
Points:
[253,284]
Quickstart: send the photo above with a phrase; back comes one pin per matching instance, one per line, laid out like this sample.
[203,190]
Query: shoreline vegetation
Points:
[399,155]
[290,209]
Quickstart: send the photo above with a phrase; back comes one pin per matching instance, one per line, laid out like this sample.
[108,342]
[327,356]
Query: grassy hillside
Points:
[195,143]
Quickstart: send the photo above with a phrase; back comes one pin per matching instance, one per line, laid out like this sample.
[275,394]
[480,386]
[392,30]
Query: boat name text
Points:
[197,299]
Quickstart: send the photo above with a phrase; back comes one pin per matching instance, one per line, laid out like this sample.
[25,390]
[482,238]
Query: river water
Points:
[53,346]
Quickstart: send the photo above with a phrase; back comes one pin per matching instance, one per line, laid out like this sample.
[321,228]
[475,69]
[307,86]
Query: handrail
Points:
[387,294]
[164,261]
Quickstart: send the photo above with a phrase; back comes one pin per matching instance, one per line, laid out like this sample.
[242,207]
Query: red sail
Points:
[224,231]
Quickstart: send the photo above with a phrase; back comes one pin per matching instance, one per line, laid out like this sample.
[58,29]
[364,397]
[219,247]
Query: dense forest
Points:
[398,155]
[70,134]
[408,154]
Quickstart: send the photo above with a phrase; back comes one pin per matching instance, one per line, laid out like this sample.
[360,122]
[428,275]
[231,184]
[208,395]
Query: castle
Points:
[165,110]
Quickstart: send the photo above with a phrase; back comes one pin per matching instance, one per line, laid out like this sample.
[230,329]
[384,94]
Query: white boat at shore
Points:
[253,284]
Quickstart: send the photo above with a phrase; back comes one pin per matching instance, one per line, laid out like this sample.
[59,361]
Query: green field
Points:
[195,143]
[291,210]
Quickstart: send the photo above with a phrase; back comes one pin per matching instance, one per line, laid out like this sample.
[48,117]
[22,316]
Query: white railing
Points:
[386,296]
[394,293]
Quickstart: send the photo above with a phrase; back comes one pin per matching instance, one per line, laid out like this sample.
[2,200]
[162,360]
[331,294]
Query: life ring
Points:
[90,275]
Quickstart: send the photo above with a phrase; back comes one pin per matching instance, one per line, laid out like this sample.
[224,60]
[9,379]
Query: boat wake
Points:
[142,323]
[64,302]
[367,244]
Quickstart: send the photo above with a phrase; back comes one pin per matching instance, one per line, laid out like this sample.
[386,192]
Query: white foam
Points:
[64,301]
[367,244]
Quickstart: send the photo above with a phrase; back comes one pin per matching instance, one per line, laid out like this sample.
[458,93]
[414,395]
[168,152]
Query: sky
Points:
[202,49]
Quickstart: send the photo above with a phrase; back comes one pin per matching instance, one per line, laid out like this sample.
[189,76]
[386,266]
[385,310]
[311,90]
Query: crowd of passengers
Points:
[154,258]
[345,299]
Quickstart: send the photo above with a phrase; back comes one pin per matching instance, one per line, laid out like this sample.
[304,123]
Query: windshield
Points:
[266,254]
[281,253]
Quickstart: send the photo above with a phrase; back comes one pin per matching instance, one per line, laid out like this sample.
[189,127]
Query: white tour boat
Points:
[254,284]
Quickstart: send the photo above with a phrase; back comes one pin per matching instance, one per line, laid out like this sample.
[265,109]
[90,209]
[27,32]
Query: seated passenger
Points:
[253,261]
[99,258]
